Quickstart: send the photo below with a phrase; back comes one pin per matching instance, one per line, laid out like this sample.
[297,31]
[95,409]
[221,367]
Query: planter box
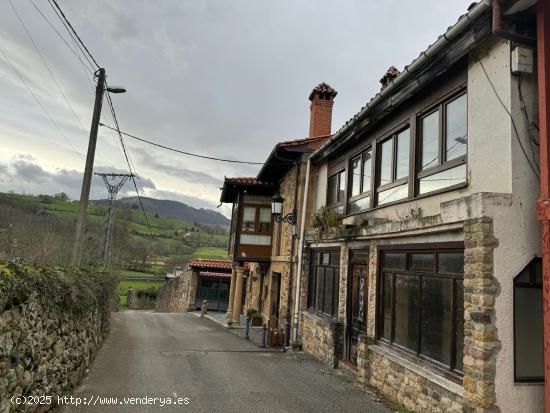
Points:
[275,337]
[256,321]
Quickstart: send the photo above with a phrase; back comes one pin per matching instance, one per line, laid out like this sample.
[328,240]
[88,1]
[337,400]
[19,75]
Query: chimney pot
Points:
[320,120]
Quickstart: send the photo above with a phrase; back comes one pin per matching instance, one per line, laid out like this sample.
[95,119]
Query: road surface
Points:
[177,356]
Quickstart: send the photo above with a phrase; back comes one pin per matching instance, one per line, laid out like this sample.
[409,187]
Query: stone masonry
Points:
[481,344]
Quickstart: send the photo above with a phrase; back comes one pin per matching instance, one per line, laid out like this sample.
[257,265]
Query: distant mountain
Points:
[178,210]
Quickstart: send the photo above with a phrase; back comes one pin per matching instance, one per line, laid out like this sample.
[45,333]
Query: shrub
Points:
[325,219]
[74,289]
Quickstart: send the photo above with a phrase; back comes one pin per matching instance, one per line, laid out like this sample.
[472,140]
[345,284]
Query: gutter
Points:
[300,256]
[463,23]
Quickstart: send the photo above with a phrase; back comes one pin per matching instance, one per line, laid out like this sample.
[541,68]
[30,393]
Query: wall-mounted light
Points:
[277,210]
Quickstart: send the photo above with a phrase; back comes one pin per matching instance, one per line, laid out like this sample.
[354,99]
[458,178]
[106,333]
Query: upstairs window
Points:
[336,191]
[443,145]
[393,167]
[360,182]
[528,324]
[256,220]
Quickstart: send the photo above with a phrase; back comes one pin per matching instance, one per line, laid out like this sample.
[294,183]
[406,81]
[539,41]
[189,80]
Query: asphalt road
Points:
[181,356]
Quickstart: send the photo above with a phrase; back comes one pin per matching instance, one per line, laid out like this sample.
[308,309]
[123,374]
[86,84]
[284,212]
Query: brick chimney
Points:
[320,120]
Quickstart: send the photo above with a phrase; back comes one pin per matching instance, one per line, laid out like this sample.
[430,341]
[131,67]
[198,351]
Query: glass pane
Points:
[334,259]
[406,311]
[459,352]
[443,179]
[457,127]
[329,284]
[394,260]
[393,194]
[430,140]
[403,141]
[528,330]
[320,287]
[332,188]
[316,258]
[355,176]
[451,262]
[325,258]
[367,170]
[341,185]
[265,220]
[386,321]
[386,162]
[360,255]
[359,205]
[422,261]
[437,319]
[249,239]
[249,219]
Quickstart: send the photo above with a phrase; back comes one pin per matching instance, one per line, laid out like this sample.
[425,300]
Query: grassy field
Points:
[137,274]
[124,286]
[211,252]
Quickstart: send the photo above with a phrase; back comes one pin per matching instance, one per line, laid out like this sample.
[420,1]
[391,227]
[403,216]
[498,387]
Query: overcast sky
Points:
[221,78]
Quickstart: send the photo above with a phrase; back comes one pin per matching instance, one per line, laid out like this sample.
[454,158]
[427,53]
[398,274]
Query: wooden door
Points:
[359,304]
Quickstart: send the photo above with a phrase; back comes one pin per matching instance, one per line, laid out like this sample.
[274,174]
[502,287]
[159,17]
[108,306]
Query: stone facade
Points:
[173,296]
[45,351]
[322,338]
[481,344]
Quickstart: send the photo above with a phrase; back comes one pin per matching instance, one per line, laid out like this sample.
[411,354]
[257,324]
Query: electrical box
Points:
[523,60]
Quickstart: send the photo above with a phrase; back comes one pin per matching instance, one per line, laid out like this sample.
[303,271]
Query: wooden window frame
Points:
[395,182]
[340,203]
[256,220]
[442,163]
[312,304]
[408,250]
[362,193]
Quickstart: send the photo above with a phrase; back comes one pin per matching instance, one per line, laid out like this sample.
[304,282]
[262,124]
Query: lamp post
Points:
[290,218]
[87,178]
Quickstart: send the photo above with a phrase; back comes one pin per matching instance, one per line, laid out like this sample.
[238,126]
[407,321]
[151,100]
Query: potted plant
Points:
[325,220]
[254,317]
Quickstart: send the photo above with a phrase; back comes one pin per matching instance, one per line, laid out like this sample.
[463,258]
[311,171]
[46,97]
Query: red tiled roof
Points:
[217,264]
[245,180]
[312,143]
[214,274]
[323,89]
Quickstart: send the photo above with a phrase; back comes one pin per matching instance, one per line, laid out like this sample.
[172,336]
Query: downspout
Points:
[300,256]
[543,204]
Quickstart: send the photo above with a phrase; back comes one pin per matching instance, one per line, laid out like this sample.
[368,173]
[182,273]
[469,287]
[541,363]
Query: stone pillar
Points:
[229,313]
[481,344]
[238,296]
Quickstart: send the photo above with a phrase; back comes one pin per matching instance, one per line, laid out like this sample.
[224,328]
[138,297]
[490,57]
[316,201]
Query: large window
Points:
[528,326]
[256,225]
[324,282]
[336,191]
[393,167]
[443,145]
[422,304]
[360,182]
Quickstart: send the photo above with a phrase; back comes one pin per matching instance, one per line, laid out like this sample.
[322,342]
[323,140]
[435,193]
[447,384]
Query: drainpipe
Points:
[300,256]
[543,204]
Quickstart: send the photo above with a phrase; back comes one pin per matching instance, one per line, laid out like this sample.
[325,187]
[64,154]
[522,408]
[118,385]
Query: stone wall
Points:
[172,295]
[407,383]
[322,338]
[46,346]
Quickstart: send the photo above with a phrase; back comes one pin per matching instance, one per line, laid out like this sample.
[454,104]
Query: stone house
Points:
[429,287]
[264,250]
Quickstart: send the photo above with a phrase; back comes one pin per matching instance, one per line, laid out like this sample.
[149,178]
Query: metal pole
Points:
[87,179]
[543,204]
[247,329]
[264,335]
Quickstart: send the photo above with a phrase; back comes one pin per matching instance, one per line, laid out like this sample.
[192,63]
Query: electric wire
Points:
[66,20]
[54,123]
[181,151]
[533,168]
[132,173]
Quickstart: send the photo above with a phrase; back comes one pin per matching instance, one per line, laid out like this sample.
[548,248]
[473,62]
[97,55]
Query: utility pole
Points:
[87,179]
[116,182]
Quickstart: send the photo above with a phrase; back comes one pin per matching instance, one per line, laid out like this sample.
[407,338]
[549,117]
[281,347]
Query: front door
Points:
[358,301]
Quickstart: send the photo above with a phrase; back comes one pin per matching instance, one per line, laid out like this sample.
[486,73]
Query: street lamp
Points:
[277,210]
[290,218]
[116,89]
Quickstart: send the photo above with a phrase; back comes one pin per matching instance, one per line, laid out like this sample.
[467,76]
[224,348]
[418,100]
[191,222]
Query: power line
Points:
[75,52]
[180,151]
[132,176]
[7,59]
[74,32]
[511,118]
[46,65]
